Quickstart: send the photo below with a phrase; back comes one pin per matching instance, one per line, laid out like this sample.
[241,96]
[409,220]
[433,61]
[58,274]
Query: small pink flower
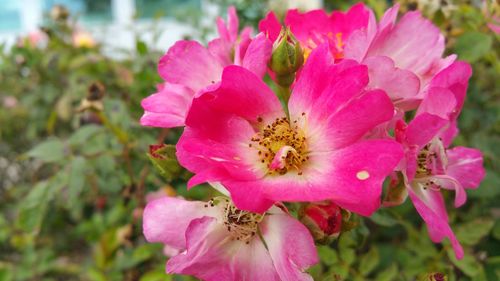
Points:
[492,18]
[429,166]
[9,102]
[83,39]
[189,67]
[238,134]
[218,242]
[36,38]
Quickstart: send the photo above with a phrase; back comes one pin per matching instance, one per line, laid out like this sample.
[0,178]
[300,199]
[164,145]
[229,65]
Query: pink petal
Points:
[308,26]
[241,45]
[220,125]
[358,17]
[211,255]
[449,183]
[449,133]
[340,176]
[358,117]
[257,55]
[167,108]
[270,26]
[188,63]
[320,73]
[494,27]
[226,48]
[438,101]
[413,44]
[244,94]
[465,165]
[424,128]
[232,23]
[455,78]
[360,170]
[430,205]
[399,84]
[389,18]
[216,153]
[279,159]
[357,44]
[290,245]
[258,202]
[221,49]
[166,219]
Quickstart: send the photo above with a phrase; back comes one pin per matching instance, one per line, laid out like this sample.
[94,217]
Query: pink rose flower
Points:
[402,57]
[429,166]
[189,67]
[237,133]
[218,242]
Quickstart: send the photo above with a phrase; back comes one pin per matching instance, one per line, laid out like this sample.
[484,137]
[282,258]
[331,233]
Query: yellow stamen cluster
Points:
[423,162]
[241,225]
[279,134]
[430,161]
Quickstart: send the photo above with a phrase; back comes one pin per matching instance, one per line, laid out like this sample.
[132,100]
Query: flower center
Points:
[281,146]
[241,225]
[432,159]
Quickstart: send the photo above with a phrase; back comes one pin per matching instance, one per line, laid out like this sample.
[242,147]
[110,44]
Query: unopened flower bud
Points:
[59,13]
[93,99]
[287,58]
[163,158]
[323,219]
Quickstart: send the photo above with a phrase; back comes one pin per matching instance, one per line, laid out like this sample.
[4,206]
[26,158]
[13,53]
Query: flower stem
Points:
[284,94]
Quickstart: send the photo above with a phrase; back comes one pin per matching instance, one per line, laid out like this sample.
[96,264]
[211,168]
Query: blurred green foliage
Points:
[74,170]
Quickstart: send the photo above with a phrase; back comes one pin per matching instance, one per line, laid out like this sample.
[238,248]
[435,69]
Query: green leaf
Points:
[383,219]
[83,134]
[144,252]
[348,255]
[48,151]
[33,208]
[496,230]
[327,255]
[6,272]
[156,275]
[473,45]
[141,47]
[472,232]
[96,275]
[76,178]
[369,261]
[468,264]
[388,274]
